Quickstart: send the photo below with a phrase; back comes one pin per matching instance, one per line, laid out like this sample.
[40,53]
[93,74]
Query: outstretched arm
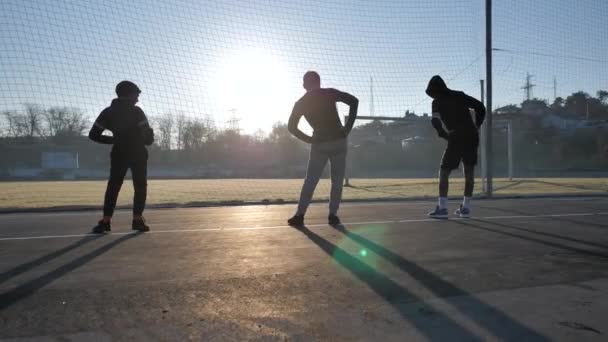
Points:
[478,107]
[96,132]
[292,125]
[353,104]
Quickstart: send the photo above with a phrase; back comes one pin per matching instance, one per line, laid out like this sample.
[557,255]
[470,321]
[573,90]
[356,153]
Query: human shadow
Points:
[487,316]
[553,218]
[470,224]
[393,293]
[568,186]
[17,270]
[552,235]
[29,288]
[508,186]
[374,189]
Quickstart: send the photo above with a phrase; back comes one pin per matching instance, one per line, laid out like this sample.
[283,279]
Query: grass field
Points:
[60,194]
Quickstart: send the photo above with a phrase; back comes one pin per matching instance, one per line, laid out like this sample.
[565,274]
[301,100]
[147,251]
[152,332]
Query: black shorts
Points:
[460,148]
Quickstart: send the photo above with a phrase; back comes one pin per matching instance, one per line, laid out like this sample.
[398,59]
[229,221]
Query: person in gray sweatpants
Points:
[328,141]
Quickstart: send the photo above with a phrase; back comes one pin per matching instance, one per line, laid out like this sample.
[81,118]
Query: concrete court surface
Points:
[521,270]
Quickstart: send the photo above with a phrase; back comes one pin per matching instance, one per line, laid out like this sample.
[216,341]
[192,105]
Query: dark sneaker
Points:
[102,227]
[140,225]
[333,220]
[439,213]
[296,221]
[463,212]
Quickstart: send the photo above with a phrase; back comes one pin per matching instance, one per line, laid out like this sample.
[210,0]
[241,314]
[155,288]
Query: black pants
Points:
[120,163]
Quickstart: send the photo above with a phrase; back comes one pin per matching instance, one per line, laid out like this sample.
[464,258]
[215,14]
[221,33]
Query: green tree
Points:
[577,104]
[508,109]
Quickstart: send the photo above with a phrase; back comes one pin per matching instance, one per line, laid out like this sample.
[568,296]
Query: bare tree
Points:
[3,126]
[195,134]
[34,115]
[165,131]
[76,123]
[180,124]
[16,124]
[64,121]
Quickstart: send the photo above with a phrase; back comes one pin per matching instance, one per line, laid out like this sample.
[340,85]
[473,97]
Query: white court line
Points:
[181,231]
[308,225]
[285,226]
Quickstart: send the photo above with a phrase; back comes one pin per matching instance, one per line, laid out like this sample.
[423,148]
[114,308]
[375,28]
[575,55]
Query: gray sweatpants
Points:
[335,152]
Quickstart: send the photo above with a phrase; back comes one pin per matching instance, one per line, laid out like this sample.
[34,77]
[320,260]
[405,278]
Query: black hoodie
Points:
[452,108]
[130,129]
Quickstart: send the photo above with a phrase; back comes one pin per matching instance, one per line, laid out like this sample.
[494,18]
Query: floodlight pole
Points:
[488,135]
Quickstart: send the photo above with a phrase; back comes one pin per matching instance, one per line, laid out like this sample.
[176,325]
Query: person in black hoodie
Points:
[452,120]
[131,133]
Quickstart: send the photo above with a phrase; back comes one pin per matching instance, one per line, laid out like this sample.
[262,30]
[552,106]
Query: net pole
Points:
[348,162]
[488,137]
[484,164]
[510,148]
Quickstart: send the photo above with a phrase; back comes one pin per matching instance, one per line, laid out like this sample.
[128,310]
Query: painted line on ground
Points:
[197,230]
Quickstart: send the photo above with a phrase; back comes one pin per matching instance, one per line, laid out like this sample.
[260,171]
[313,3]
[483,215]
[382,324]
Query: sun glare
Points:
[255,87]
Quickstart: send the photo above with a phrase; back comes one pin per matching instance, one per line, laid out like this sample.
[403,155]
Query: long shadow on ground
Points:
[443,329]
[17,270]
[492,319]
[583,251]
[553,218]
[29,288]
[396,295]
[552,235]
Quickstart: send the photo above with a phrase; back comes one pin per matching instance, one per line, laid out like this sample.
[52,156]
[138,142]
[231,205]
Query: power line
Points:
[460,72]
[516,52]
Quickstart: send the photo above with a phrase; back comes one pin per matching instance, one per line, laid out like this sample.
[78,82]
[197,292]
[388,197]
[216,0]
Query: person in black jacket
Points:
[452,120]
[131,133]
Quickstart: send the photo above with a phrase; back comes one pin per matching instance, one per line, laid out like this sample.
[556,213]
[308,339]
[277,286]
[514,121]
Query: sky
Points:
[244,59]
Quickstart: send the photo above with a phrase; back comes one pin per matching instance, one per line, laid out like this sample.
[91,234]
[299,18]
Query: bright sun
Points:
[255,86]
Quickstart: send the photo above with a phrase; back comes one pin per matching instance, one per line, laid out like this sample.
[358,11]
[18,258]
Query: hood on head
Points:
[436,86]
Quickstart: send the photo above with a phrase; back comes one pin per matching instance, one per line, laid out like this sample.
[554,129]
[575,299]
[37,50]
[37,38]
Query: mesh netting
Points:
[219,79]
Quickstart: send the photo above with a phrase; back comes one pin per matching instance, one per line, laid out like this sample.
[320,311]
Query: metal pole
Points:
[348,161]
[484,162]
[510,148]
[488,136]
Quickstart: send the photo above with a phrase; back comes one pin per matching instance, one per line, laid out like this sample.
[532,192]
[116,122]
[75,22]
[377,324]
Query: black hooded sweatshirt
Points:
[451,108]
[130,129]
